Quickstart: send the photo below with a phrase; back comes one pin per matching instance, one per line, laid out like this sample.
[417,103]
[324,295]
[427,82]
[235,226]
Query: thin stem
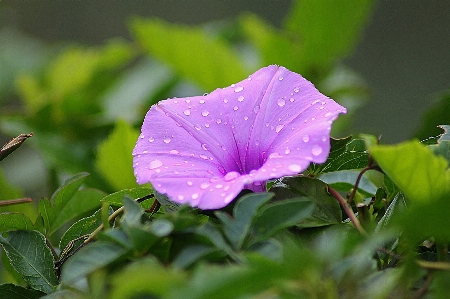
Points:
[348,210]
[358,179]
[15,201]
[100,228]
[424,288]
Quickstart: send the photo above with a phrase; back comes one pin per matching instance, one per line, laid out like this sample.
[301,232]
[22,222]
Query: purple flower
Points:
[204,150]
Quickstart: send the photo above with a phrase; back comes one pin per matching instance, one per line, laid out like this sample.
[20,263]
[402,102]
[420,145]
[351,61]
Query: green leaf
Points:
[345,181]
[327,210]
[90,258]
[146,277]
[345,154]
[14,221]
[114,160]
[18,292]
[50,209]
[31,258]
[82,227]
[191,254]
[326,29]
[211,233]
[397,207]
[191,52]
[437,115]
[281,214]
[116,199]
[244,212]
[414,169]
[442,147]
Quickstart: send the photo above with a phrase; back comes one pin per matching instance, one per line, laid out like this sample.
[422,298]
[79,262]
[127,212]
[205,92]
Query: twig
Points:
[348,210]
[424,288]
[15,201]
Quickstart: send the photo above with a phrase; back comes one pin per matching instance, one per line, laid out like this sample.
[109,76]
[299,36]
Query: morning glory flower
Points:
[203,150]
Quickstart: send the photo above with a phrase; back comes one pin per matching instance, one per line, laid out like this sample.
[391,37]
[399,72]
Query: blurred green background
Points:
[400,66]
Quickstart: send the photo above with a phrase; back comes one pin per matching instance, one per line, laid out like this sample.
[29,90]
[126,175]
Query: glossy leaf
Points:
[114,158]
[195,55]
[30,256]
[327,210]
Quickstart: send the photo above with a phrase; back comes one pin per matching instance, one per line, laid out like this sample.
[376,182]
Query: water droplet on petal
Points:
[155,164]
[235,108]
[287,151]
[174,152]
[141,136]
[245,117]
[280,78]
[204,157]
[189,183]
[294,168]
[205,112]
[187,101]
[281,102]
[202,101]
[197,126]
[256,109]
[204,186]
[238,89]
[166,139]
[305,138]
[296,89]
[180,197]
[204,146]
[219,186]
[328,114]
[240,98]
[187,112]
[194,196]
[291,100]
[151,139]
[316,150]
[231,176]
[279,128]
[206,125]
[218,121]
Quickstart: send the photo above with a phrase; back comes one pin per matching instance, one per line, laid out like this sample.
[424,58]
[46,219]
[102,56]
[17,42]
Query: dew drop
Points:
[201,101]
[180,197]
[256,109]
[231,176]
[187,112]
[204,146]
[204,157]
[279,128]
[225,101]
[316,150]
[291,100]
[197,127]
[194,196]
[235,108]
[218,121]
[245,117]
[305,138]
[166,139]
[287,151]
[189,183]
[328,114]
[174,152]
[204,186]
[238,89]
[221,169]
[151,139]
[240,98]
[206,125]
[294,168]
[187,101]
[205,112]
[155,164]
[280,78]
[175,172]
[141,136]
[219,186]
[296,89]
[281,102]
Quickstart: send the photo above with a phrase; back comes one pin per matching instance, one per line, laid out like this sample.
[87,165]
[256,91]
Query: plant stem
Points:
[348,210]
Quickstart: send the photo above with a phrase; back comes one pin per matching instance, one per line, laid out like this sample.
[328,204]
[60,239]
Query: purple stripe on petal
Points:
[204,150]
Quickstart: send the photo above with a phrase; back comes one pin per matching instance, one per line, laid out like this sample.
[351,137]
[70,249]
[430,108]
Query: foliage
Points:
[370,222]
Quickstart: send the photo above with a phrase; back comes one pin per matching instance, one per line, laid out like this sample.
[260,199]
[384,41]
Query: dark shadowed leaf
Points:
[31,258]
[244,212]
[18,292]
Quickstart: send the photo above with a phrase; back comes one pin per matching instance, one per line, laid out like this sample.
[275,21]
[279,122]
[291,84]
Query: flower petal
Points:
[204,150]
